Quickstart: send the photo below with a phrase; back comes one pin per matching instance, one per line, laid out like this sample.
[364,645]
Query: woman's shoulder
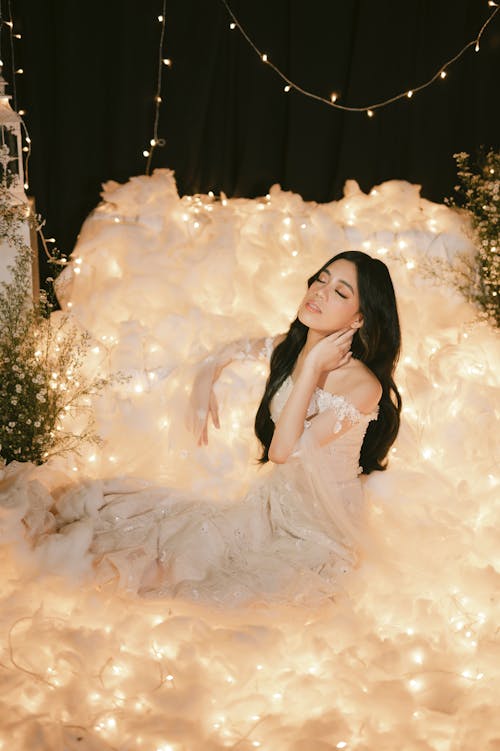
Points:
[357,383]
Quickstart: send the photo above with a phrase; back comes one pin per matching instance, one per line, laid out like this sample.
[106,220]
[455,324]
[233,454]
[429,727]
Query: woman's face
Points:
[331,302]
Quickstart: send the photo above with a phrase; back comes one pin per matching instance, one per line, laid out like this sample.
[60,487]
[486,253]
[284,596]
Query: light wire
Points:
[332,102]
[155,141]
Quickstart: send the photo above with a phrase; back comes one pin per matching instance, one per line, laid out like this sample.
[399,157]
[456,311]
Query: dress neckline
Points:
[372,415]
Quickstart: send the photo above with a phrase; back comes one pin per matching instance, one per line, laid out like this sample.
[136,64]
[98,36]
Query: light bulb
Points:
[334,96]
[287,88]
[409,94]
[167,61]
[369,113]
[443,74]
[160,19]
[232,26]
[264,58]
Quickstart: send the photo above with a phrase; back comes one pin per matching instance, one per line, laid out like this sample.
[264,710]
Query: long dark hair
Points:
[377,344]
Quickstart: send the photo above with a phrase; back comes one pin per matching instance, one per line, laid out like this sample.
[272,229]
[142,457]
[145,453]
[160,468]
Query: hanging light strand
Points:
[155,141]
[10,24]
[39,223]
[27,148]
[332,101]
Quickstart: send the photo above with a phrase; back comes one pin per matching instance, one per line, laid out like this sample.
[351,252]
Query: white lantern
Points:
[12,182]
[11,162]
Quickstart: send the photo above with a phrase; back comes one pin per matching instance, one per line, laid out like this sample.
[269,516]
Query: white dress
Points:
[293,537]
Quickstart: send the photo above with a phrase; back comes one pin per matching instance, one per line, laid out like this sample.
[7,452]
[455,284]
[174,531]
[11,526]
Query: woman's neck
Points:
[313,337]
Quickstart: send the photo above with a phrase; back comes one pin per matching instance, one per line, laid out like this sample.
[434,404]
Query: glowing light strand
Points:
[332,101]
[26,149]
[155,141]
[10,25]
[14,72]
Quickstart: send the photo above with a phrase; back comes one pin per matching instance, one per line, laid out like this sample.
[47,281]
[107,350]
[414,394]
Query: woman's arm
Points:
[328,354]
[202,402]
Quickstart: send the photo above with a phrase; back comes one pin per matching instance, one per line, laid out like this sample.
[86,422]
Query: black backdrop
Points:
[90,75]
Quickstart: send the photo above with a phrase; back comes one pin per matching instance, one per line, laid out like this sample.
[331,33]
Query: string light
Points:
[155,141]
[26,149]
[332,100]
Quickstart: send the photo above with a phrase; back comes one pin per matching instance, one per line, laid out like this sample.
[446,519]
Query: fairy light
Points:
[62,260]
[155,141]
[332,100]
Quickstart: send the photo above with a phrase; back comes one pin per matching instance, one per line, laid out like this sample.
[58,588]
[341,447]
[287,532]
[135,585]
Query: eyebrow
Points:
[342,281]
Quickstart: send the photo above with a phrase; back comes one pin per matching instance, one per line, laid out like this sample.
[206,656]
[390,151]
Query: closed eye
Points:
[341,295]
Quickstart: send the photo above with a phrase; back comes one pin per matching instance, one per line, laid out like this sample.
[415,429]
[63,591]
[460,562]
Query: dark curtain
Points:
[90,74]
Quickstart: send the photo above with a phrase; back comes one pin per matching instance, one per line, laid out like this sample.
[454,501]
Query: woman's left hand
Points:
[331,352]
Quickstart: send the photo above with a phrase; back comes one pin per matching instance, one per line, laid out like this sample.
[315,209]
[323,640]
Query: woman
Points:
[330,404]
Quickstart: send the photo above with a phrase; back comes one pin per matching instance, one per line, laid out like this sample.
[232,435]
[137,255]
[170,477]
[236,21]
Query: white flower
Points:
[13,400]
[19,388]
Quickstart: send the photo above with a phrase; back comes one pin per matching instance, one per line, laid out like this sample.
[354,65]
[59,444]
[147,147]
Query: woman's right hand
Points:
[203,404]
[331,352]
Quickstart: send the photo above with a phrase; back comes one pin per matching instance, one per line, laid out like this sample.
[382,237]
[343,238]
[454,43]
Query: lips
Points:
[311,306]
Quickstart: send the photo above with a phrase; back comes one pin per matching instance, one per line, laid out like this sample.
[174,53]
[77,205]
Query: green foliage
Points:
[479,194]
[42,384]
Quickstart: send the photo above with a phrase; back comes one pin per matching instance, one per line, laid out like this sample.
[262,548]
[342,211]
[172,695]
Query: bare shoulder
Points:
[357,383]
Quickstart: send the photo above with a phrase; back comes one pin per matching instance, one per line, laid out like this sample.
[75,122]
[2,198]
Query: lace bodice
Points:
[344,450]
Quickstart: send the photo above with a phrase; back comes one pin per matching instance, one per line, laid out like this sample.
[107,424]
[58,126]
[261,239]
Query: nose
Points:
[320,292]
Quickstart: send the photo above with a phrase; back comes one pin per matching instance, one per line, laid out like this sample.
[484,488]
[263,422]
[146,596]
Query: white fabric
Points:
[292,538]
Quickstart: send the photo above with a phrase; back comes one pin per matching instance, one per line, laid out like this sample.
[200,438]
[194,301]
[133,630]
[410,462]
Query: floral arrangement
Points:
[41,357]
[478,193]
